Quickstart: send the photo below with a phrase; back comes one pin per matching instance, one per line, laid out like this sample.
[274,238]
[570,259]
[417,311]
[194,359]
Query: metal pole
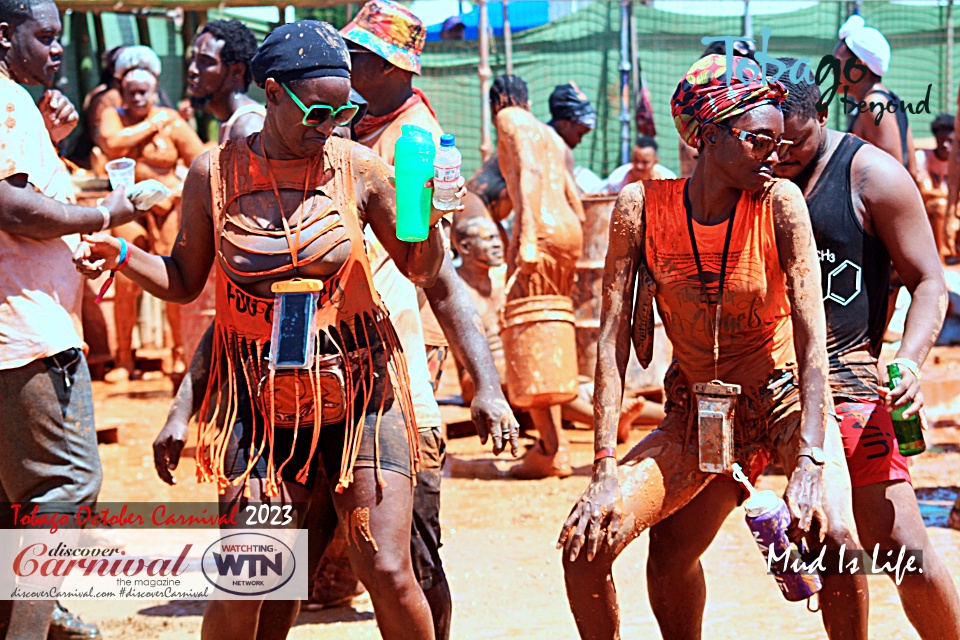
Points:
[948,94]
[507,39]
[484,72]
[634,54]
[747,20]
[624,81]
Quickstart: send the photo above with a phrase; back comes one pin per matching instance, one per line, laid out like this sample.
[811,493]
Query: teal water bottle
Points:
[909,431]
[413,159]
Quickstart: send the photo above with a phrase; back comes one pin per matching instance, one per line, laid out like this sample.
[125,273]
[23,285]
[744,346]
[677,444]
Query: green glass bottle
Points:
[413,158]
[908,431]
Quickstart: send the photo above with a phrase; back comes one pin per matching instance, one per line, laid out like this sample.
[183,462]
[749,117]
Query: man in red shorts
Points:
[866,212]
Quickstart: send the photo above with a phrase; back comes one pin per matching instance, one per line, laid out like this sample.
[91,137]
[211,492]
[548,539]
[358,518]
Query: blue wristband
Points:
[124,254]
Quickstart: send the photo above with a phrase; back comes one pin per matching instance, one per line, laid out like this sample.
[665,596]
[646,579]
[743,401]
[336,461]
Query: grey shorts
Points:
[47,434]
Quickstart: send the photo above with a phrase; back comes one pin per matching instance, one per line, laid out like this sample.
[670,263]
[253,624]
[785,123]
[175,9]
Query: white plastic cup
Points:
[121,173]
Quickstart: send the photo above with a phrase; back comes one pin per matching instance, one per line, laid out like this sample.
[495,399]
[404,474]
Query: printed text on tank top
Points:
[756,335]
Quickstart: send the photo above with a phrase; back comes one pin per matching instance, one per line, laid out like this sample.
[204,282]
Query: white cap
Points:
[866,43]
[137,57]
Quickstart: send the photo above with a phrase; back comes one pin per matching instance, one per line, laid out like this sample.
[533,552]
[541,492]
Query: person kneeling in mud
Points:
[730,258]
[288,203]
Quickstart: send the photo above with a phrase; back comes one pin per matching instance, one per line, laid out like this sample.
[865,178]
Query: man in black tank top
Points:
[866,211]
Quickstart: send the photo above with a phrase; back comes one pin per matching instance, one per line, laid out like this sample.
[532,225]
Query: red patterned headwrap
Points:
[703,95]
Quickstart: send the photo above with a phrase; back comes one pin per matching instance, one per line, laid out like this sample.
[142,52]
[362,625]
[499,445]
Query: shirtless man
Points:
[219,76]
[871,51]
[546,240]
[866,214]
[933,168]
[483,271]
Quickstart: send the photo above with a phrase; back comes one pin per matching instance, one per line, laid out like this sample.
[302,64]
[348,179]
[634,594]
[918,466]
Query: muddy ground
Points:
[499,538]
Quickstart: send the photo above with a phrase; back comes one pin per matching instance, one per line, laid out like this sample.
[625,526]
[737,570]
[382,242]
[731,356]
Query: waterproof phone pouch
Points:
[293,340]
[716,404]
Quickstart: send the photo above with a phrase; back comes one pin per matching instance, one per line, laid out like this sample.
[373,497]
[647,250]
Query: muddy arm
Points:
[619,280]
[896,214]
[463,328]
[180,277]
[799,261]
[598,514]
[117,140]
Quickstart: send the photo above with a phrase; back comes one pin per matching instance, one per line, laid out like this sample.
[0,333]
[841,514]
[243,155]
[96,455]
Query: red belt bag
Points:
[296,391]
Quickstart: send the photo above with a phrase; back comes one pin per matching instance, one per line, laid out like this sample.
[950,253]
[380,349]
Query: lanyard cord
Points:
[293,239]
[703,283]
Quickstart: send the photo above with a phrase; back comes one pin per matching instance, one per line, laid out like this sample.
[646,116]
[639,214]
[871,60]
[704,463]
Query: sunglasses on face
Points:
[763,145]
[316,115]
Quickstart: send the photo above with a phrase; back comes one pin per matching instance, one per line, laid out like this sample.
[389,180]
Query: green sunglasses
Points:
[317,114]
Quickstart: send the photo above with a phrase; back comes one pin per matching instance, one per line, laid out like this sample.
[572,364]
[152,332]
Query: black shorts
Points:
[425,537]
[394,445]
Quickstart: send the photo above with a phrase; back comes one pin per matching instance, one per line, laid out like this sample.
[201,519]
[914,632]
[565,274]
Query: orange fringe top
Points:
[243,322]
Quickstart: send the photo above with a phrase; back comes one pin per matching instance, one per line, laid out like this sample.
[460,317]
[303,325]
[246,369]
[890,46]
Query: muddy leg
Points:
[657,478]
[549,457]
[238,619]
[887,515]
[675,582]
[377,526]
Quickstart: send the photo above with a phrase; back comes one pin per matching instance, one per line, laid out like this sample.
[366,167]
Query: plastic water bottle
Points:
[446,172]
[768,519]
[909,432]
[413,159]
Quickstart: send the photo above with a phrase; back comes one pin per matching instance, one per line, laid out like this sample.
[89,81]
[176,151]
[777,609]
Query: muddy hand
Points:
[803,497]
[597,511]
[492,415]
[97,253]
[59,114]
[167,448]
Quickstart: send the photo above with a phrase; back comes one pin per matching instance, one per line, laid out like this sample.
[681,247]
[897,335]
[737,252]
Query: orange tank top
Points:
[756,332]
[243,322]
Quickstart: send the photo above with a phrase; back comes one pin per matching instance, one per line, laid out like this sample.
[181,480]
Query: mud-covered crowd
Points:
[543,272]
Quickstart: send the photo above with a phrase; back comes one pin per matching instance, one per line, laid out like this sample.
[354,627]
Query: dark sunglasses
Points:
[763,145]
[316,115]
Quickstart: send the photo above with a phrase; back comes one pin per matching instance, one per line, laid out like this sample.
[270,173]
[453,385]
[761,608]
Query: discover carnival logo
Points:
[248,564]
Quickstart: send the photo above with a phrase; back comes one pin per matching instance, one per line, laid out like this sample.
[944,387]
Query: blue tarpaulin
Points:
[525,14]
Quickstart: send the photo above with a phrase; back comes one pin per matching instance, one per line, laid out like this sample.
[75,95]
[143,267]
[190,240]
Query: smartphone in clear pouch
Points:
[293,340]
[716,407]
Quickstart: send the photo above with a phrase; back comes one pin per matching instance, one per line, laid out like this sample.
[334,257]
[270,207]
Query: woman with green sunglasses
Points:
[285,210]
[316,115]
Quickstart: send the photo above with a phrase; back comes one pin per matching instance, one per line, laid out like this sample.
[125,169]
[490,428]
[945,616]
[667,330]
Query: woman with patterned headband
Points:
[729,256]
[308,383]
